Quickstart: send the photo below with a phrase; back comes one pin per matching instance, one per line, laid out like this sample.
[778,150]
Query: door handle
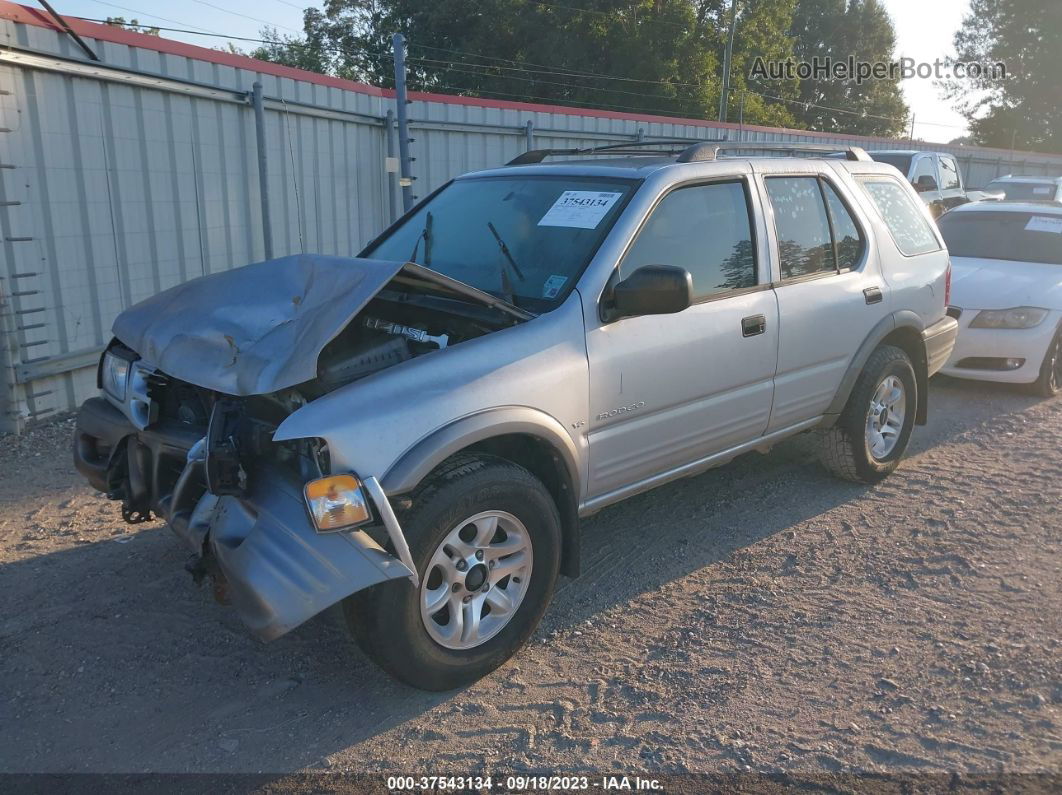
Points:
[753,325]
[872,295]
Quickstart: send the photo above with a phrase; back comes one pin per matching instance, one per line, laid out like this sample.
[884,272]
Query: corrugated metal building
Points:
[122,177]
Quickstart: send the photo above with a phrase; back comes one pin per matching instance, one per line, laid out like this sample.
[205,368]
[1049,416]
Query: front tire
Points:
[1049,383]
[485,536]
[872,433]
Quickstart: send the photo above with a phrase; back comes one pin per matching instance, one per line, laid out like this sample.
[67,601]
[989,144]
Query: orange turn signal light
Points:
[336,502]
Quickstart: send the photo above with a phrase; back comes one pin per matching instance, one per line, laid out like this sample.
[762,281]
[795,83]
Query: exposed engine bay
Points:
[231,434]
[198,379]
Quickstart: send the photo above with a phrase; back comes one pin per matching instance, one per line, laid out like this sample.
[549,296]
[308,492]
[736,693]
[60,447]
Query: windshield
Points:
[901,162]
[523,239]
[1037,191]
[1022,237]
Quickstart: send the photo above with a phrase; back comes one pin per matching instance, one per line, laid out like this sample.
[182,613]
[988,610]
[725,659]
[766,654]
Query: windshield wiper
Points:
[425,235]
[507,285]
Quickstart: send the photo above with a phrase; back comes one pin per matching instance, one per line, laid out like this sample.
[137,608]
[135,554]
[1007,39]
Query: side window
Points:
[704,229]
[849,239]
[906,220]
[949,174]
[804,242]
[924,168]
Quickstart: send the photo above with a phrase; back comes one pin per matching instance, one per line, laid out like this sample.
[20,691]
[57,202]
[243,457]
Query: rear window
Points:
[1025,191]
[905,218]
[901,162]
[1015,236]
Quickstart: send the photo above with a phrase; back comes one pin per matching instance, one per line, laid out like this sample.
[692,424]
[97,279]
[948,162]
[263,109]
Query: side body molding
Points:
[415,463]
[901,319]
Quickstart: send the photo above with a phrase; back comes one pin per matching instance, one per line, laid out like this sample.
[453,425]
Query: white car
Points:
[1037,189]
[1007,292]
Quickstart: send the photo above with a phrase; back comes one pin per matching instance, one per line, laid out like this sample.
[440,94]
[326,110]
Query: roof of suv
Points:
[637,167]
[627,164]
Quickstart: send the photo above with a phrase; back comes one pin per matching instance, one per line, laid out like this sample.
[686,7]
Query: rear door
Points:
[667,390]
[830,289]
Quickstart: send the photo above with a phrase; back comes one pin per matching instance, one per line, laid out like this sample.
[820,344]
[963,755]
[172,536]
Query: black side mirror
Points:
[651,290]
[925,183]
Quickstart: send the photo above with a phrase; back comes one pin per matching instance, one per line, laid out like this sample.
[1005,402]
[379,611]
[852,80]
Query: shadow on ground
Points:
[114,661]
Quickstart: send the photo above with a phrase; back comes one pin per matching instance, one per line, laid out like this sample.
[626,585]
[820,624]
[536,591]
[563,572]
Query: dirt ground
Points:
[760,617]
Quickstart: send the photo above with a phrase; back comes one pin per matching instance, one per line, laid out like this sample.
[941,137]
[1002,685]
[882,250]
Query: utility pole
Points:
[911,136]
[392,165]
[728,56]
[398,42]
[258,103]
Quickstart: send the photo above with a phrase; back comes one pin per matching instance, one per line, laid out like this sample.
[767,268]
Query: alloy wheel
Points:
[888,408]
[476,580]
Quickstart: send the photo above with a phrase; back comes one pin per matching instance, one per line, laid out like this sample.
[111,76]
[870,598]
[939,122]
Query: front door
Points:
[666,390]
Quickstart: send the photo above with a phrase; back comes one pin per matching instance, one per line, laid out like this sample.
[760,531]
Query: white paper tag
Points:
[1040,223]
[582,209]
[553,286]
[1044,190]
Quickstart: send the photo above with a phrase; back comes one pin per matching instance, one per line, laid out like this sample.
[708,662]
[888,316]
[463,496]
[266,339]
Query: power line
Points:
[245,16]
[549,70]
[198,31]
[448,66]
[544,68]
[608,14]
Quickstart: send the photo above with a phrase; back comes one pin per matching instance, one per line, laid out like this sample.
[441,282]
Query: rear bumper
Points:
[939,340]
[277,569]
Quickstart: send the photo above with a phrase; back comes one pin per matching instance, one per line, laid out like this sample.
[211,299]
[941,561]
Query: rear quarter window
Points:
[906,220]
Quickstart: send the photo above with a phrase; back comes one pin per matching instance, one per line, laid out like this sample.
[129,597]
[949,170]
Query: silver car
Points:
[417,432]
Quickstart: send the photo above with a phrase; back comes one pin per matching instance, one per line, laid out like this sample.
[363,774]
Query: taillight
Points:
[947,287]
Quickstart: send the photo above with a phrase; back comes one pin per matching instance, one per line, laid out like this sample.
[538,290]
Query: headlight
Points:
[1019,317]
[336,503]
[114,376]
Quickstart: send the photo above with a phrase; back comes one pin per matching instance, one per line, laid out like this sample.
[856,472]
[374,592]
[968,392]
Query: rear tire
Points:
[413,633]
[871,435]
[1049,383]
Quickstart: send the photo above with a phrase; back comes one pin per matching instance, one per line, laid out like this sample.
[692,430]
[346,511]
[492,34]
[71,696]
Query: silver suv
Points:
[417,432]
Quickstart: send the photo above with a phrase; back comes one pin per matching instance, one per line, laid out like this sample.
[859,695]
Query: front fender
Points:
[414,464]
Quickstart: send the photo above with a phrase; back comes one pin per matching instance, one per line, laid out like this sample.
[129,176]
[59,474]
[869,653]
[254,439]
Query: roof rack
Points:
[666,146]
[689,152]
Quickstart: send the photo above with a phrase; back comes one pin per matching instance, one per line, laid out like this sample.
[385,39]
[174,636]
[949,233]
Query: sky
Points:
[924,31]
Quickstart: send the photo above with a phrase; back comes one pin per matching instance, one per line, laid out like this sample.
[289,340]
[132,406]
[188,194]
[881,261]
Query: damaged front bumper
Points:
[261,545]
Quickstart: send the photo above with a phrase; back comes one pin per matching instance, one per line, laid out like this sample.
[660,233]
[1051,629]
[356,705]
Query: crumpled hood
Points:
[255,329]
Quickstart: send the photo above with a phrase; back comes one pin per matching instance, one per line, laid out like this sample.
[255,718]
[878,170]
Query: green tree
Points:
[132,25]
[836,29]
[1025,108]
[660,56]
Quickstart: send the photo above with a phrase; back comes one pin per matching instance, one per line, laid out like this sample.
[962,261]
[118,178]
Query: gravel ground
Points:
[760,617]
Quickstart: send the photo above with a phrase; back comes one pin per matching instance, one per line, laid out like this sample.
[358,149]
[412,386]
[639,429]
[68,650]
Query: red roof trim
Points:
[109,33]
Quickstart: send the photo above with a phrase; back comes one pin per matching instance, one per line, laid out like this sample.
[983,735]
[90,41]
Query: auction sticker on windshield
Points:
[582,209]
[553,285]
[1040,223]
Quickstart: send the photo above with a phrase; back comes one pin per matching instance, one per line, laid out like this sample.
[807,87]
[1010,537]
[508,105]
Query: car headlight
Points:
[114,376]
[336,503]
[1018,317]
